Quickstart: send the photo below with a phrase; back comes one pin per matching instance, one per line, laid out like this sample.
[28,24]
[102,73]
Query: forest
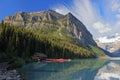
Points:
[19,43]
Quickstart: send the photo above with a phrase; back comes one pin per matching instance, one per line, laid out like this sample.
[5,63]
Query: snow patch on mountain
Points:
[110,44]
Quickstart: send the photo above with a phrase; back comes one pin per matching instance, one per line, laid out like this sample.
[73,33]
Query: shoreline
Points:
[10,75]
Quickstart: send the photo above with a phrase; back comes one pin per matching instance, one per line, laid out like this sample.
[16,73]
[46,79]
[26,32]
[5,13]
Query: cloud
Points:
[116,29]
[106,39]
[84,10]
[61,9]
[115,9]
[118,23]
[118,16]
[99,17]
[102,28]
[115,5]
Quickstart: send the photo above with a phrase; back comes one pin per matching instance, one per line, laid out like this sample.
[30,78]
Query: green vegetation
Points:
[17,62]
[18,44]
[23,43]
[97,51]
[59,33]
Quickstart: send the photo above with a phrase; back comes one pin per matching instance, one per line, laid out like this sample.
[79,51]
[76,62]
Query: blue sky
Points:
[101,17]
[9,7]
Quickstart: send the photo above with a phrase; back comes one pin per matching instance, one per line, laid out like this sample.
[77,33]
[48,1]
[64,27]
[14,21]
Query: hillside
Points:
[48,32]
[50,18]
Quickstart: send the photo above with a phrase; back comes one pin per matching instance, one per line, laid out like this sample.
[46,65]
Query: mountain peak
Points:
[110,43]
[72,19]
[69,14]
[52,18]
[47,15]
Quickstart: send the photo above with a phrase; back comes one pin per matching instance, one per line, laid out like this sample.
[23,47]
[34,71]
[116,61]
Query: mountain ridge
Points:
[110,44]
[52,18]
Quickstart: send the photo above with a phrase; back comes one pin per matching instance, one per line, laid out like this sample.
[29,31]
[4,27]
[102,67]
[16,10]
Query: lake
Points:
[86,69]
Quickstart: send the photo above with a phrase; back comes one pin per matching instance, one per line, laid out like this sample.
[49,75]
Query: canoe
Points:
[56,60]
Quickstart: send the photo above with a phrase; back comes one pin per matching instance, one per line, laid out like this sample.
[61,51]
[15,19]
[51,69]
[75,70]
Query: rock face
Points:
[51,18]
[32,19]
[111,44]
[111,47]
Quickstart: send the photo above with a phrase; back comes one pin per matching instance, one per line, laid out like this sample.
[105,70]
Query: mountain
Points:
[111,44]
[66,28]
[50,18]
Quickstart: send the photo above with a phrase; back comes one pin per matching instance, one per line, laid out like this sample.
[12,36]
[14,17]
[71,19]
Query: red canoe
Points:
[57,60]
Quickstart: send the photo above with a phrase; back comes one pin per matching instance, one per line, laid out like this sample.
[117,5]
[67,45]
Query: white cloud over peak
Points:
[107,39]
[62,9]
[82,9]
[85,11]
[99,18]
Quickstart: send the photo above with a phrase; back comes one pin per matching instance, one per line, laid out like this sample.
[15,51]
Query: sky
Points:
[101,17]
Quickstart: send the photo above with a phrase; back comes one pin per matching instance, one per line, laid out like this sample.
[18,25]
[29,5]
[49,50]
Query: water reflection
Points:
[92,69]
[110,71]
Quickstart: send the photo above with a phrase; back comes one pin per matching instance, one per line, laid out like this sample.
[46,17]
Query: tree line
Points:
[23,43]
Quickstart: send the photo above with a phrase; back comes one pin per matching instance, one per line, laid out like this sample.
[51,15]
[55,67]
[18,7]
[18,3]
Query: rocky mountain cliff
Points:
[111,44]
[51,18]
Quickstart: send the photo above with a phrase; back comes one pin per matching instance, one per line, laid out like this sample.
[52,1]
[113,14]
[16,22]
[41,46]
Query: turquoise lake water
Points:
[87,69]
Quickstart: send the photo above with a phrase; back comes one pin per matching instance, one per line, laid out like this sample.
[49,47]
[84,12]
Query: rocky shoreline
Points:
[8,74]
